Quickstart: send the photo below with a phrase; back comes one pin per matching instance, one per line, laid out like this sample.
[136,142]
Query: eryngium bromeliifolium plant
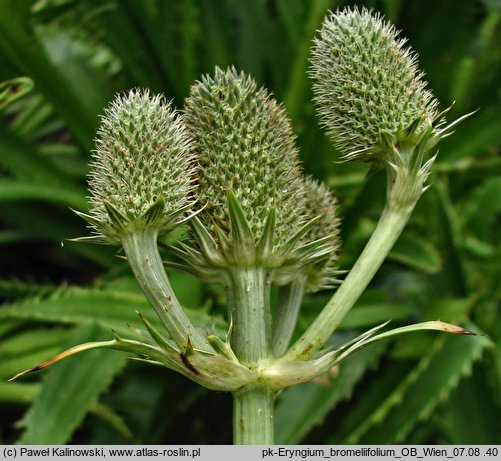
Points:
[228,161]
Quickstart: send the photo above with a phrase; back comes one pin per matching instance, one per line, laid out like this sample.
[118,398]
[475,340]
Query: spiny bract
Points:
[245,144]
[367,82]
[143,155]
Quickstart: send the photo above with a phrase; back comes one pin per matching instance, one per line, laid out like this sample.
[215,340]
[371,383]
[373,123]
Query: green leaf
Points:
[114,420]
[473,397]
[128,34]
[425,387]
[14,364]
[215,43]
[25,163]
[301,408]
[453,279]
[475,136]
[20,190]
[69,391]
[14,89]
[8,326]
[18,392]
[21,45]
[111,309]
[483,207]
[18,288]
[23,349]
[417,253]
[372,314]
[296,92]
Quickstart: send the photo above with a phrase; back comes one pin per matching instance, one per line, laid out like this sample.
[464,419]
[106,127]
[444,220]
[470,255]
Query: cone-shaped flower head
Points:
[367,84]
[322,203]
[142,168]
[246,147]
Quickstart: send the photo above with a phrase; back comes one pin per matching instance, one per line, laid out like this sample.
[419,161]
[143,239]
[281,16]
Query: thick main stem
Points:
[142,254]
[249,310]
[389,228]
[253,416]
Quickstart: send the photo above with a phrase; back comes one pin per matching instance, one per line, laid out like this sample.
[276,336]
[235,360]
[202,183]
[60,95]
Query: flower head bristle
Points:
[322,203]
[245,145]
[142,167]
[366,82]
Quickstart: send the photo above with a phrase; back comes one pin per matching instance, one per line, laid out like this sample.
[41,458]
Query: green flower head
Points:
[322,204]
[246,148]
[142,169]
[367,86]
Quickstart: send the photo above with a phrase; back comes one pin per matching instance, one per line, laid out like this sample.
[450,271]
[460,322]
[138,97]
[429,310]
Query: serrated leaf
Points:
[69,391]
[18,392]
[428,384]
[111,309]
[301,408]
[473,397]
[17,289]
[417,253]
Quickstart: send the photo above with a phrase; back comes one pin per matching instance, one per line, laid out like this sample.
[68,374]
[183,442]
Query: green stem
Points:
[250,315]
[249,310]
[288,305]
[389,228]
[253,416]
[142,254]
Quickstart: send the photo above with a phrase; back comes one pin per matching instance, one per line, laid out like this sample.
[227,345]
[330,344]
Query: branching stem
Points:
[389,228]
[142,254]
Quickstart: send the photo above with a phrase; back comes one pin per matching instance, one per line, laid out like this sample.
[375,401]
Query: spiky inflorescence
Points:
[366,82]
[245,144]
[143,157]
[322,202]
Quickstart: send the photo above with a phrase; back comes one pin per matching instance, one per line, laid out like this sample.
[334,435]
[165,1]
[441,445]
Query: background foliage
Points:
[425,388]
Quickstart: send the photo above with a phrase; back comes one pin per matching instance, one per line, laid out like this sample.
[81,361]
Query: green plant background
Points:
[424,388]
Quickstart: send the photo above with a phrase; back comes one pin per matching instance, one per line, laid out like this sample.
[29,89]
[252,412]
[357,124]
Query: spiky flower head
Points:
[249,164]
[142,169]
[368,87]
[322,203]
